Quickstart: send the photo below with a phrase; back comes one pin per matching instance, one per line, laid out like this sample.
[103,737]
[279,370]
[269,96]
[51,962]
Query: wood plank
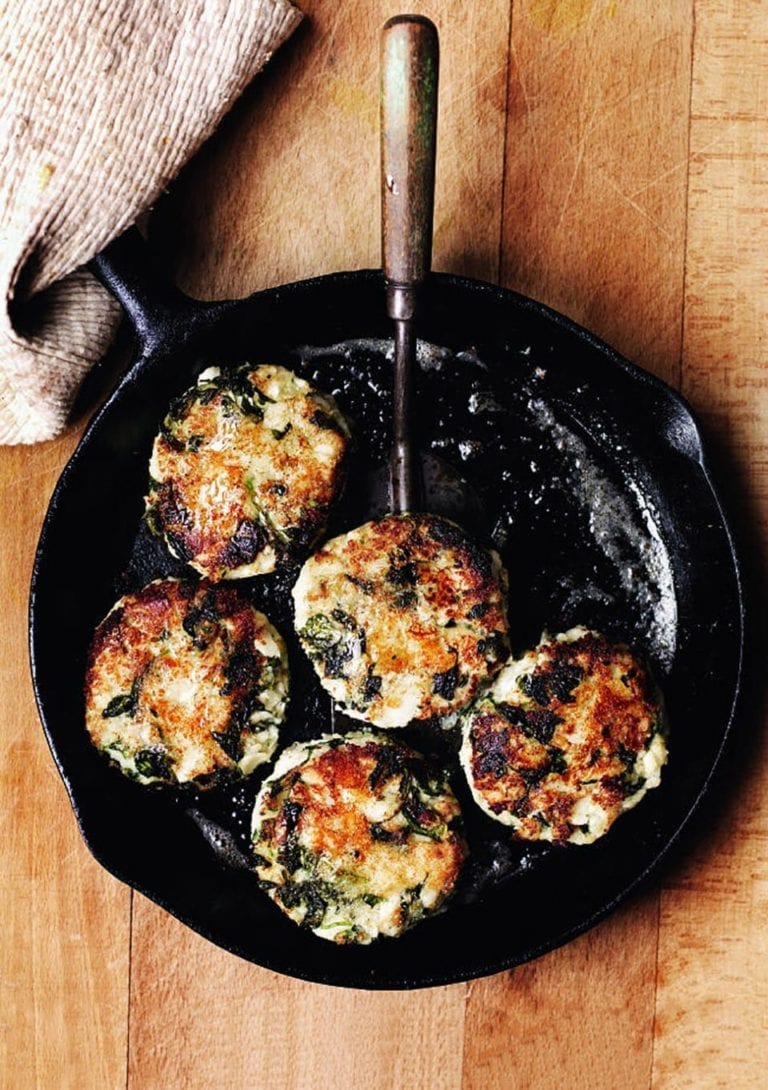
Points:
[595,184]
[712,1026]
[581,1011]
[289,186]
[594,225]
[202,1018]
[65,935]
[287,189]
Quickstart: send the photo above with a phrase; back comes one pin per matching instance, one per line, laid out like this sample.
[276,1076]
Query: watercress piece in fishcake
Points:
[403,618]
[357,836]
[244,470]
[567,738]
[186,682]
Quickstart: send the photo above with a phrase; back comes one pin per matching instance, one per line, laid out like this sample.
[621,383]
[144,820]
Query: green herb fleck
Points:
[153,763]
[124,704]
[331,646]
[371,686]
[445,684]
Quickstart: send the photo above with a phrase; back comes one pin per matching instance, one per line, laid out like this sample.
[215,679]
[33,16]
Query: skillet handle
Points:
[410,59]
[157,309]
[409,73]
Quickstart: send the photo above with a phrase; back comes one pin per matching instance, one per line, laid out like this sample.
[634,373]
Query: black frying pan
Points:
[594,487]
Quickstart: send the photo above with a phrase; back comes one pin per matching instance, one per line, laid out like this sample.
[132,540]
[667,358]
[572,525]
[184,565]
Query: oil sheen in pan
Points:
[548,490]
[564,506]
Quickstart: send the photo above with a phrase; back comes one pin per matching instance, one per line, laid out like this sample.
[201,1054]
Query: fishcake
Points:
[403,618]
[567,738]
[186,683]
[356,836]
[244,470]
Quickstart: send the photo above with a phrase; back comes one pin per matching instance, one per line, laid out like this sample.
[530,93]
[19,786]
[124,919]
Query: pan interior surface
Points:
[590,482]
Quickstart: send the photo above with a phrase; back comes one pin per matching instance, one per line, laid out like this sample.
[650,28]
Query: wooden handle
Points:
[409,73]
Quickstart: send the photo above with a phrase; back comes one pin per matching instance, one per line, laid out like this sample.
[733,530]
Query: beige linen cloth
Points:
[101,102]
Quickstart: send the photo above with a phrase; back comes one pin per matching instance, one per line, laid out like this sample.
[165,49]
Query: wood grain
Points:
[289,187]
[266,1030]
[65,935]
[609,159]
[713,946]
[595,181]
[582,1011]
[594,225]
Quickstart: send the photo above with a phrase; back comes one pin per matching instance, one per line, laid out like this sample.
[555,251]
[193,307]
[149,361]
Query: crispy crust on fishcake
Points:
[567,738]
[244,470]
[403,618]
[186,682]
[356,836]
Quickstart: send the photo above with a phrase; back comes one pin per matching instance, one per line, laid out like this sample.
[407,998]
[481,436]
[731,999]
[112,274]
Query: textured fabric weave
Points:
[101,103]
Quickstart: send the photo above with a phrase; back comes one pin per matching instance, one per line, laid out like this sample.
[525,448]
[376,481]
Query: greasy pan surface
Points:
[592,482]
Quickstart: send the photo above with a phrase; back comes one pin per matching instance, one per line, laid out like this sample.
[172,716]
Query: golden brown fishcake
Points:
[186,682]
[567,738]
[244,470]
[356,836]
[403,618]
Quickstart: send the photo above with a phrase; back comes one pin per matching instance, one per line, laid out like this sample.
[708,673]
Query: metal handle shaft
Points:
[409,77]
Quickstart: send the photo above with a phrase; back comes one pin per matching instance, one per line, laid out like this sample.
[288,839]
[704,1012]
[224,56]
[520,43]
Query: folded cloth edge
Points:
[49,341]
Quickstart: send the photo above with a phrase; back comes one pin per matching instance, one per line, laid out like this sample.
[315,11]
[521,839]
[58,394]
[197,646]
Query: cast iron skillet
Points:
[595,489]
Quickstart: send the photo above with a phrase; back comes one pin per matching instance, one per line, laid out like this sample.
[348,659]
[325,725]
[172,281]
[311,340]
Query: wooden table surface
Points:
[609,158]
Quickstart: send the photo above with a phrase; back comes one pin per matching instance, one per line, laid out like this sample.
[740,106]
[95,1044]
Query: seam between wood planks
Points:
[130,992]
[504,145]
[686,219]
